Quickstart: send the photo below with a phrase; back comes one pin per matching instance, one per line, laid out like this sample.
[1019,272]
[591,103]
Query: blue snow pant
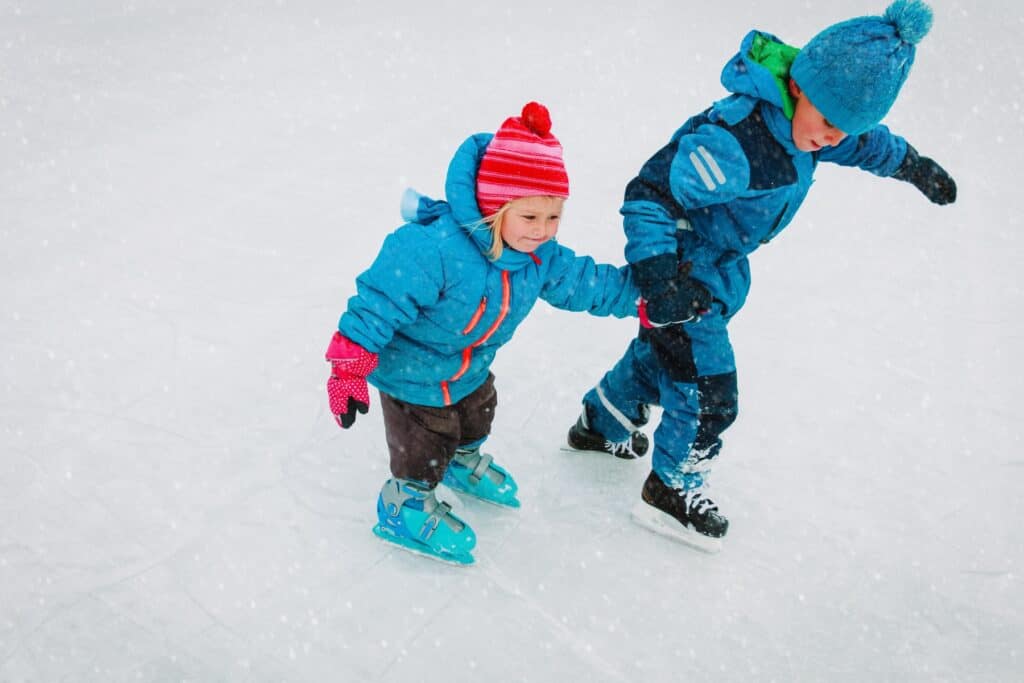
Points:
[690,371]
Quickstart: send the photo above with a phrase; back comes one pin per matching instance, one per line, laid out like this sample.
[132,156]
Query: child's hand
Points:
[684,303]
[347,390]
[927,176]
[669,294]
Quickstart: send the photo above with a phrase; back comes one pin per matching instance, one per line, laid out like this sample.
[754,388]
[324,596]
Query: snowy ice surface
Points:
[189,190]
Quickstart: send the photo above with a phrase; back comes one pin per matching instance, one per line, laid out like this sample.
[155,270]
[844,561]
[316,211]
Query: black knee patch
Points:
[719,405]
[674,351]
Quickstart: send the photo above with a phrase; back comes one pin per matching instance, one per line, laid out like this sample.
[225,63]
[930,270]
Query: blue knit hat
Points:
[853,71]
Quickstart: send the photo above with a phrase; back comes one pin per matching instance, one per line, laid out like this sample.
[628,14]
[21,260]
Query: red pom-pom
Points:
[536,118]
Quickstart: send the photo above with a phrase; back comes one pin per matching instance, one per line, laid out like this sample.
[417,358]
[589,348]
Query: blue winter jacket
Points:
[436,308]
[730,179]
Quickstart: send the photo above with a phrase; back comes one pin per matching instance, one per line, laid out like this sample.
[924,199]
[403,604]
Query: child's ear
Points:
[794,89]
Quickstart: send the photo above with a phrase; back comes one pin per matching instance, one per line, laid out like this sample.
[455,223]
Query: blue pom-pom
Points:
[912,18]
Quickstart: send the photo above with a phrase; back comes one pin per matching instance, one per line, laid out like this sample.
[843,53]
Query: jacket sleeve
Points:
[405,277]
[877,151]
[577,283]
[709,167]
[697,169]
[650,230]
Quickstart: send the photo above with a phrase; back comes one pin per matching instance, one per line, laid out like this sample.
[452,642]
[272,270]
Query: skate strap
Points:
[397,491]
[481,467]
[478,463]
[437,512]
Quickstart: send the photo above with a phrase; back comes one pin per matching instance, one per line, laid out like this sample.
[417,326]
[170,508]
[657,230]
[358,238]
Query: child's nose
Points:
[833,137]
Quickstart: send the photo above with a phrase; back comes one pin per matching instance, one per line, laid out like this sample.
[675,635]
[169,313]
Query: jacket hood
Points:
[761,70]
[460,191]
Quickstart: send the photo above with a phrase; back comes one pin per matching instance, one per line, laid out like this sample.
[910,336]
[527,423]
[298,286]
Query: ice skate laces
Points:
[619,447]
[691,482]
[697,502]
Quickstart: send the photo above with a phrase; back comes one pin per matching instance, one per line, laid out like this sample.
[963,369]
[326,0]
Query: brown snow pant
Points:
[423,439]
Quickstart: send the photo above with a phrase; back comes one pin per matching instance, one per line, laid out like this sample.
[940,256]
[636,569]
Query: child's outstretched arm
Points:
[577,283]
[881,152]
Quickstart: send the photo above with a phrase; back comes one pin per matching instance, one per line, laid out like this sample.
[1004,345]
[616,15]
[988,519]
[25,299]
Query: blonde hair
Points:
[493,222]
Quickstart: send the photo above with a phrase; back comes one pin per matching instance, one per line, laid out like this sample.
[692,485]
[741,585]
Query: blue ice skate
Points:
[476,473]
[409,515]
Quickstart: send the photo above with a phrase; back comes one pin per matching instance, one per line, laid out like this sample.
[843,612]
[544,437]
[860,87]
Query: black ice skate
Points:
[687,516]
[582,438]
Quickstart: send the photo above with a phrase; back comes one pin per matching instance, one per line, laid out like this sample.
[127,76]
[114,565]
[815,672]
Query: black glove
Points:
[670,294]
[927,176]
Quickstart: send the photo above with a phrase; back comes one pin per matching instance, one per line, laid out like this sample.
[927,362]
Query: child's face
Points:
[530,222]
[811,130]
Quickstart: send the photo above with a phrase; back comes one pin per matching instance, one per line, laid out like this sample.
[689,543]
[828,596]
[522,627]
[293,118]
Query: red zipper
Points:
[467,353]
[476,316]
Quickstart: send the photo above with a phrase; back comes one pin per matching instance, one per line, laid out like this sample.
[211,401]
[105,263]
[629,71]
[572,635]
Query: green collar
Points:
[777,58]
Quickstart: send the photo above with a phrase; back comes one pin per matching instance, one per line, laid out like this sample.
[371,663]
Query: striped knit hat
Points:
[522,160]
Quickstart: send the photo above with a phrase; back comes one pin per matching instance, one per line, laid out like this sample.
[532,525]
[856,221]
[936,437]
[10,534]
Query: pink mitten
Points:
[347,389]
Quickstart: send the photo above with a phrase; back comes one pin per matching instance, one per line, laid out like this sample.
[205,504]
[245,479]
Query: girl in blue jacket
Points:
[729,180]
[447,290]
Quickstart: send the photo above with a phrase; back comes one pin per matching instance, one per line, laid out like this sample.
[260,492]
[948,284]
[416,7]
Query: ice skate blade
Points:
[417,548]
[566,448]
[661,523]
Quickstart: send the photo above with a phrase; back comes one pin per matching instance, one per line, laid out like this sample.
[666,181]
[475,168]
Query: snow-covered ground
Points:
[189,190]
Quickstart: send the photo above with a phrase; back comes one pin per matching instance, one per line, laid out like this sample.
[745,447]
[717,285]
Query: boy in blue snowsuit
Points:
[729,180]
[446,291]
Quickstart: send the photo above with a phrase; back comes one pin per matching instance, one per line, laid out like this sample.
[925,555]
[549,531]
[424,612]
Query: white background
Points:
[188,191]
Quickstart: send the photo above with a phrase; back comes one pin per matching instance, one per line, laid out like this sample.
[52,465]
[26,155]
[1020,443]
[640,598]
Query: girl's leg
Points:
[471,470]
[421,439]
[476,414]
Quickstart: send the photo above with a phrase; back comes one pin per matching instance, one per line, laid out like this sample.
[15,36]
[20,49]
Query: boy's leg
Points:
[618,405]
[699,398]
[699,401]
[688,436]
